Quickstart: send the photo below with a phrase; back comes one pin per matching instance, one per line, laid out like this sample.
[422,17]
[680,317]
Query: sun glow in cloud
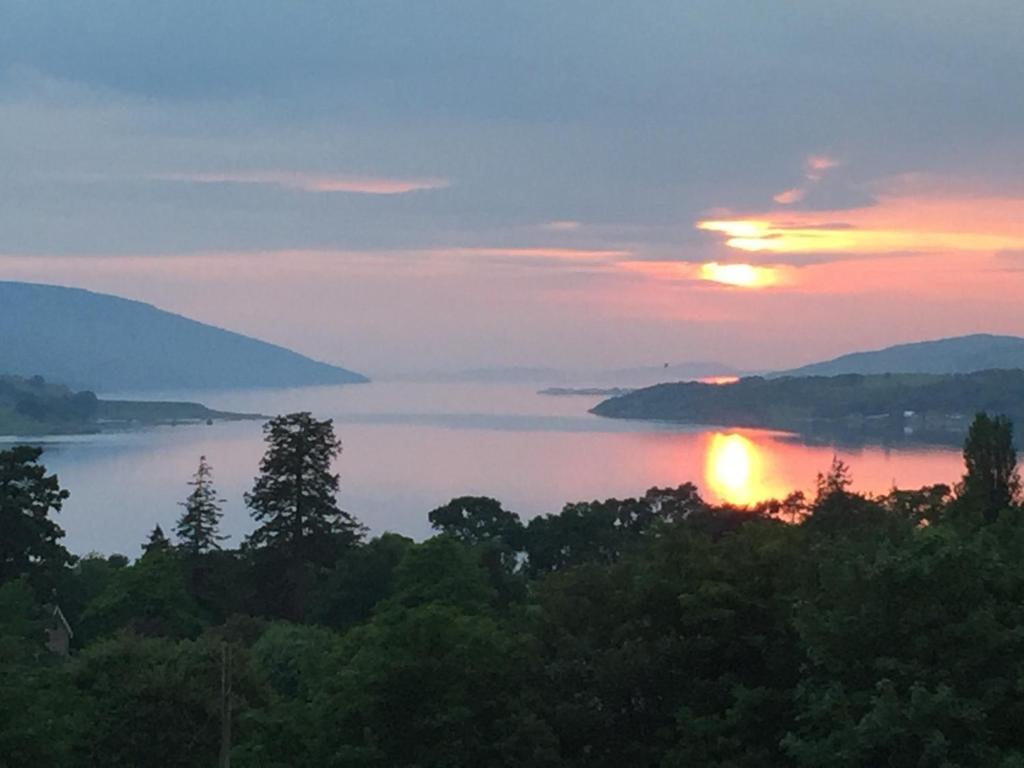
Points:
[734,275]
[739,275]
[907,221]
[313,182]
[787,237]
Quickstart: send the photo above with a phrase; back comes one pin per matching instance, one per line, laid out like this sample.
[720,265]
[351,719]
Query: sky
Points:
[446,184]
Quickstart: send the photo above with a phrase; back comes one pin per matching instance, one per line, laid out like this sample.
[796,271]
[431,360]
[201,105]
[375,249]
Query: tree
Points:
[302,532]
[477,520]
[152,702]
[150,598]
[157,541]
[40,713]
[430,686]
[29,538]
[294,496]
[360,579]
[197,528]
[836,482]
[991,482]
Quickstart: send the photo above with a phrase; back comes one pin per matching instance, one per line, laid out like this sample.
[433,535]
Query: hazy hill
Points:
[962,354]
[104,343]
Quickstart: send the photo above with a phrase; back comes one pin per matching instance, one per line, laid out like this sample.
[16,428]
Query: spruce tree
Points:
[157,542]
[294,498]
[198,527]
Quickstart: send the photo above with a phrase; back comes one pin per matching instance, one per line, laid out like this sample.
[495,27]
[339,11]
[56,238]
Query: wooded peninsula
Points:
[925,407]
[33,406]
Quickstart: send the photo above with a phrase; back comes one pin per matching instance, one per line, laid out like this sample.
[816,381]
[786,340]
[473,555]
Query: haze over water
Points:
[409,447]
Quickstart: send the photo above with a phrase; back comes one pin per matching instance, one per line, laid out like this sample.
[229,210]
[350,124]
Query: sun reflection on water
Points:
[736,470]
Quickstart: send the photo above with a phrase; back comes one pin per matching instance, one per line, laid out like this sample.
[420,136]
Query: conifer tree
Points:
[198,527]
[294,498]
[157,542]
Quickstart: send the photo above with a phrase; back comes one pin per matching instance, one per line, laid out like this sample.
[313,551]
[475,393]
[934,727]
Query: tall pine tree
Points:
[198,527]
[294,498]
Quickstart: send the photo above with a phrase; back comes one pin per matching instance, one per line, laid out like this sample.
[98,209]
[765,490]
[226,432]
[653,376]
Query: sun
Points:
[738,275]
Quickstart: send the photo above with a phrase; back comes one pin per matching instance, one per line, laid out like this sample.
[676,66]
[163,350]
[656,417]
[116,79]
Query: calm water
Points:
[409,447]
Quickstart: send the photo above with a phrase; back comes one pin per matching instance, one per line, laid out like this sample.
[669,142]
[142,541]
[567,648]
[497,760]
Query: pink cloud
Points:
[313,182]
[562,225]
[816,166]
[790,196]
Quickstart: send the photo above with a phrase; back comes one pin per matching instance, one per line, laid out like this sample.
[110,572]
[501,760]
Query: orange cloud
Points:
[735,275]
[908,224]
[313,182]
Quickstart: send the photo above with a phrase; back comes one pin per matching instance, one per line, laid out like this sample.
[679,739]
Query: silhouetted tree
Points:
[476,520]
[294,496]
[991,483]
[157,541]
[29,538]
[197,528]
[836,481]
[303,532]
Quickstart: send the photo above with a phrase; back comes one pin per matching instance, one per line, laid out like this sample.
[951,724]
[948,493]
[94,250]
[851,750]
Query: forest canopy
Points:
[838,629]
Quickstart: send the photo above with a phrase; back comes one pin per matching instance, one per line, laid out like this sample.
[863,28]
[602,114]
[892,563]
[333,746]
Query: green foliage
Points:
[157,542]
[991,483]
[153,702]
[680,650]
[435,687]
[602,531]
[478,520]
[197,528]
[37,703]
[301,531]
[150,598]
[441,571]
[29,538]
[845,630]
[913,653]
[293,499]
[362,577]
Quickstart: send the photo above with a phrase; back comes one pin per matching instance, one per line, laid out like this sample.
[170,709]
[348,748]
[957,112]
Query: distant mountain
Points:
[962,354]
[104,343]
